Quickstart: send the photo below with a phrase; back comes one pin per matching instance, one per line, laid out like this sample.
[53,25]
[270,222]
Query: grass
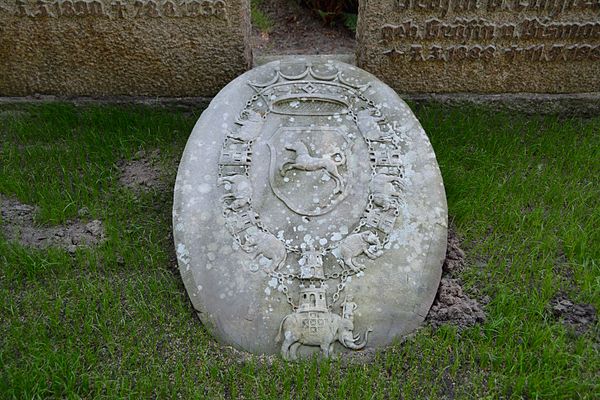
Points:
[114,321]
[259,19]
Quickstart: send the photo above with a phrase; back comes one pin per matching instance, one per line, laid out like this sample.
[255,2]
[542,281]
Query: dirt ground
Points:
[142,173]
[452,306]
[296,31]
[580,317]
[18,225]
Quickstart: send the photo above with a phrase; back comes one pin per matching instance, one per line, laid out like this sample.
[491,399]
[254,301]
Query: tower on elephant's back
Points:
[313,298]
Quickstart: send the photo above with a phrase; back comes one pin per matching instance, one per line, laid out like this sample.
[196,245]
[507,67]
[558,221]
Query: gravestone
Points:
[482,46]
[122,47]
[309,212]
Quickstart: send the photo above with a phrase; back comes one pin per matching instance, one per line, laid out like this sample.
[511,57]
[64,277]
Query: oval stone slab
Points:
[309,212]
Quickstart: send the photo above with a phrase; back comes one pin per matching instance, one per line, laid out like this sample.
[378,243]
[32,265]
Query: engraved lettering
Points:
[67,8]
[488,52]
[451,53]
[193,8]
[506,31]
[557,53]
[458,53]
[219,9]
[169,9]
[406,30]
[443,30]
[139,6]
[416,53]
[437,53]
[95,8]
[595,53]
[535,29]
[582,52]
[205,8]
[42,9]
[576,52]
[151,9]
[80,8]
[438,7]
[119,9]
[462,30]
[549,7]
[21,10]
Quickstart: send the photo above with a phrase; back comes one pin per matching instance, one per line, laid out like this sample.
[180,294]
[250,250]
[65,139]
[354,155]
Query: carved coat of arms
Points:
[310,163]
[312,123]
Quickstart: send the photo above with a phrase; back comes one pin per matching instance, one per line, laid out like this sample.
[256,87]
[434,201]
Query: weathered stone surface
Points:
[122,47]
[309,172]
[482,46]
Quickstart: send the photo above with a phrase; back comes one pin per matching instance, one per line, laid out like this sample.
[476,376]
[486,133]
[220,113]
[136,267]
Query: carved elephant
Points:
[263,243]
[296,332]
[356,244]
[250,126]
[386,190]
[239,191]
[368,124]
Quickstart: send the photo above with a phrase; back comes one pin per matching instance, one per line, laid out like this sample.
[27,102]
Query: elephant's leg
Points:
[277,261]
[331,349]
[288,342]
[374,255]
[348,261]
[325,349]
[356,266]
[294,350]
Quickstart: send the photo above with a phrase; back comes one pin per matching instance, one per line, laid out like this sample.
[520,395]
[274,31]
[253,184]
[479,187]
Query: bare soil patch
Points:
[142,173]
[296,31]
[580,317]
[18,226]
[451,305]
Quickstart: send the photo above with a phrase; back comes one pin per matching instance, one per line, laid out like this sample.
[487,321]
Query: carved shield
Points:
[289,214]
[310,168]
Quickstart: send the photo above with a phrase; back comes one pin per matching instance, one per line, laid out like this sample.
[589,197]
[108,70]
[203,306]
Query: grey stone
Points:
[309,212]
[481,46]
[122,47]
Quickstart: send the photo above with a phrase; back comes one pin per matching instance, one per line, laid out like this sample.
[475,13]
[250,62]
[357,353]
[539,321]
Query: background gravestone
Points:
[491,46]
[122,47]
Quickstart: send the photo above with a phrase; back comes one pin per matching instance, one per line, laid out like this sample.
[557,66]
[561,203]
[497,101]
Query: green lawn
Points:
[114,321]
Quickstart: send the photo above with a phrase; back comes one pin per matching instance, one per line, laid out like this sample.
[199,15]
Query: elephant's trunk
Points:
[360,345]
